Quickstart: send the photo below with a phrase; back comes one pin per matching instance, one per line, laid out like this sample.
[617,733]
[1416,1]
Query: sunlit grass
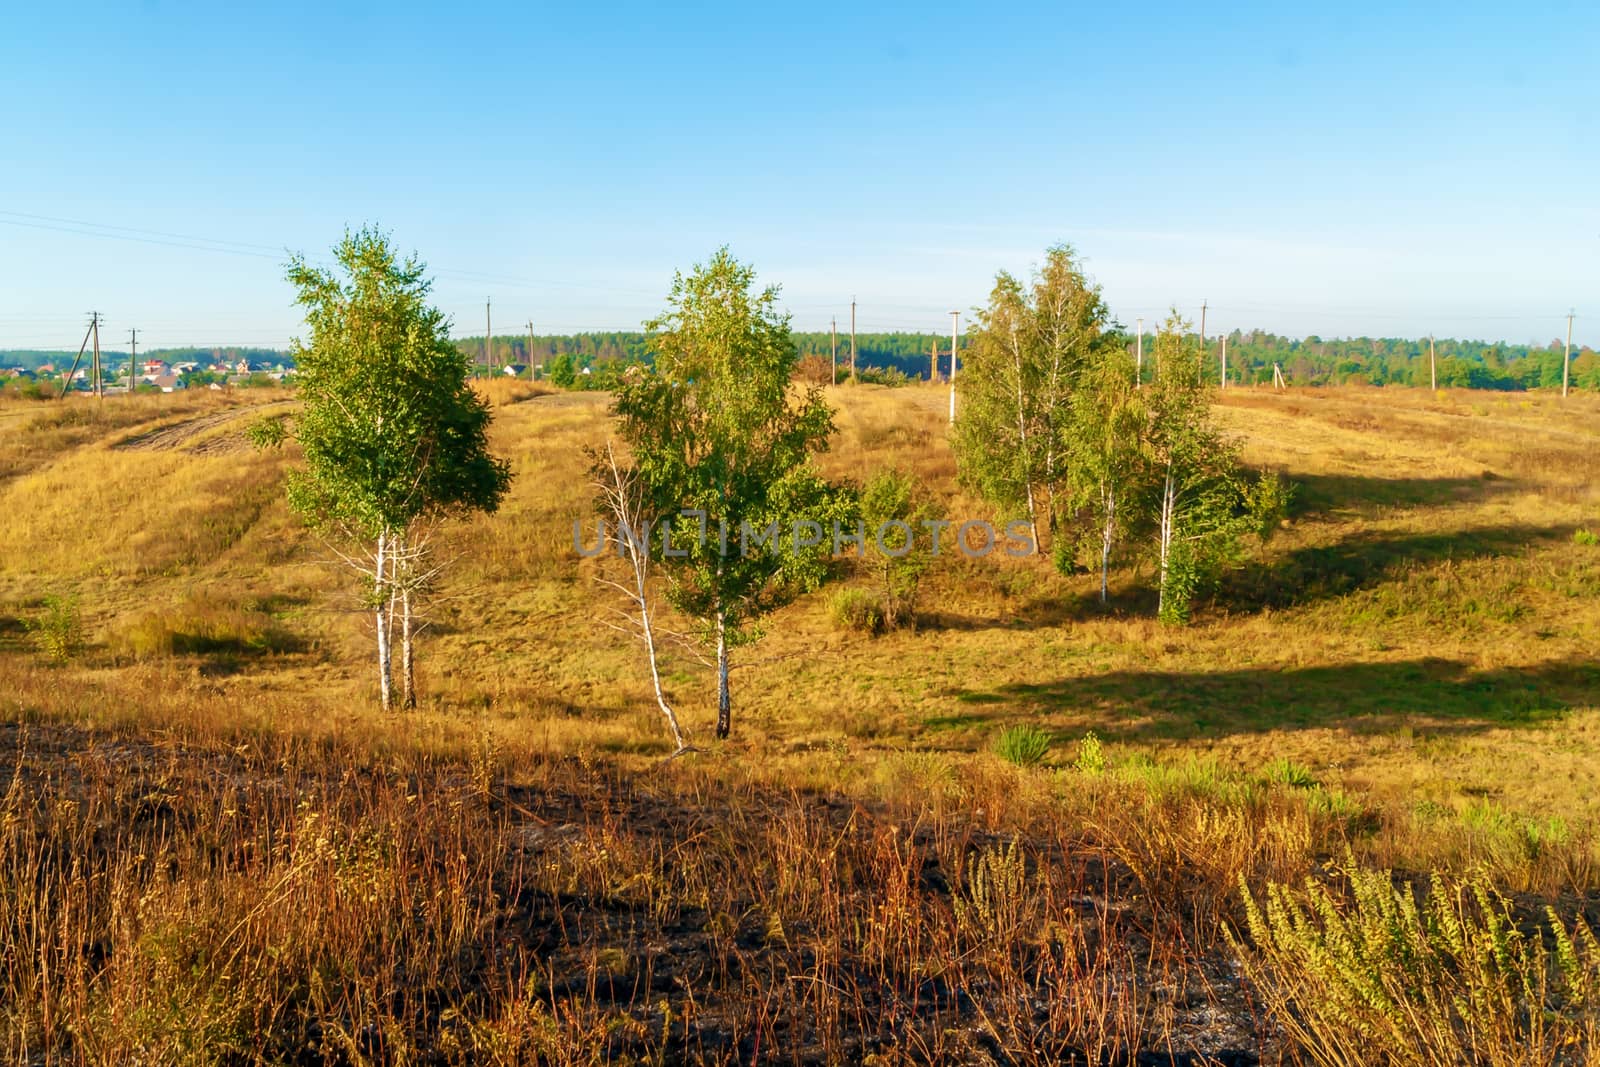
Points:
[1406,671]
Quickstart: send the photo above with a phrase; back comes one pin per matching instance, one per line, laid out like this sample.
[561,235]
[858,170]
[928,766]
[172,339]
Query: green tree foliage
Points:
[1110,465]
[898,546]
[392,433]
[1032,345]
[1203,505]
[724,450]
[1309,361]
[560,370]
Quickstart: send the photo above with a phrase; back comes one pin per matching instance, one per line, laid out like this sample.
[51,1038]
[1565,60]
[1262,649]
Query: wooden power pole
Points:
[530,349]
[955,331]
[933,361]
[1138,355]
[1433,367]
[1566,357]
[1202,336]
[833,343]
[1222,364]
[94,324]
[73,373]
[488,338]
[852,340]
[133,361]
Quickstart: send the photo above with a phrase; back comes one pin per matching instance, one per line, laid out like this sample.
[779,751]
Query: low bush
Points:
[1383,977]
[1091,755]
[856,610]
[58,630]
[1025,746]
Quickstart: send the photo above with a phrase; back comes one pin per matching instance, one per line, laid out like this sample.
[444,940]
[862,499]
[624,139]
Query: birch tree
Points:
[625,526]
[723,446]
[1109,457]
[1204,505]
[893,514]
[393,436]
[1031,346]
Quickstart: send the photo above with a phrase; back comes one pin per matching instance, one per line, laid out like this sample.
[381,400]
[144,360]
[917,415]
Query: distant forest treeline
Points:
[1251,355]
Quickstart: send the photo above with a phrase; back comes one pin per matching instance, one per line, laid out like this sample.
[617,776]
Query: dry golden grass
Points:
[1405,672]
[1423,621]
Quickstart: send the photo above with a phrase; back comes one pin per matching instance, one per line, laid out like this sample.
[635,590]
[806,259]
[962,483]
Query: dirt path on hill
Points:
[183,435]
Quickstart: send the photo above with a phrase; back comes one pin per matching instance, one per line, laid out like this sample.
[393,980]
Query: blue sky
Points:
[1333,169]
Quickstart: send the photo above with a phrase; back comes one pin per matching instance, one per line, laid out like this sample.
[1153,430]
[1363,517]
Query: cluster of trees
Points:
[1403,361]
[715,478]
[894,358]
[563,355]
[1056,427]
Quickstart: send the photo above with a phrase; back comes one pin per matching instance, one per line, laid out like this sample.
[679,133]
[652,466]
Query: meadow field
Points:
[214,849]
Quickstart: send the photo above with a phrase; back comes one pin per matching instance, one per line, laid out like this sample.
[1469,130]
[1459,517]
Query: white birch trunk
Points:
[1022,442]
[408,677]
[380,619]
[1108,509]
[655,674]
[1168,507]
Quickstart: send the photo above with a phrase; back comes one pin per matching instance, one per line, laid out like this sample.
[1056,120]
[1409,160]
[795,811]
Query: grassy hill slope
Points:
[1424,616]
[1404,678]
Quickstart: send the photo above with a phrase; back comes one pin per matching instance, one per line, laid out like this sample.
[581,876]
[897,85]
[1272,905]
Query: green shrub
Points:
[891,496]
[58,630]
[856,609]
[1268,501]
[1289,773]
[1379,977]
[890,376]
[1091,756]
[1585,537]
[205,627]
[1025,746]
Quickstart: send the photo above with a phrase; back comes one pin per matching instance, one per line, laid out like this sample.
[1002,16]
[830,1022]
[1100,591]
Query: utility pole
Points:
[530,349]
[1222,364]
[1138,355]
[852,340]
[1433,368]
[67,384]
[933,361]
[955,331]
[94,324]
[1202,334]
[488,337]
[1566,357]
[833,341]
[133,361]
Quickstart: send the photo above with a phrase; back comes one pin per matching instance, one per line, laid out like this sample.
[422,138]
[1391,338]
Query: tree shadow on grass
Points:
[1327,495]
[1325,572]
[1365,697]
[1036,613]
[14,636]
